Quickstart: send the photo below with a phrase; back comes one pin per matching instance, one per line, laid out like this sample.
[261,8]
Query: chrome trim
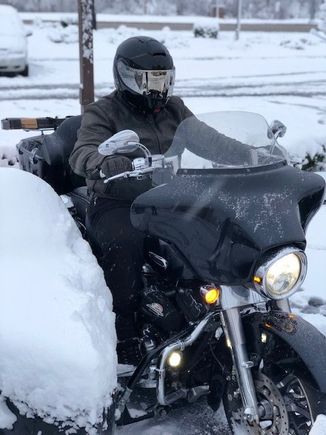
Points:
[261,272]
[283,305]
[233,297]
[233,328]
[160,261]
[180,345]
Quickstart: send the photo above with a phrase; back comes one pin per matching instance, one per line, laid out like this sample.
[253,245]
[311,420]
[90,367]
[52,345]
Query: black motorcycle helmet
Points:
[144,72]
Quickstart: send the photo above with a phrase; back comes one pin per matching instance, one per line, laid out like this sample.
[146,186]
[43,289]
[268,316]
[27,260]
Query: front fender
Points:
[301,336]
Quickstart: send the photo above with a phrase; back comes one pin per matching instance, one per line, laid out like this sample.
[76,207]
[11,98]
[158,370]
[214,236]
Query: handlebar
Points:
[137,173]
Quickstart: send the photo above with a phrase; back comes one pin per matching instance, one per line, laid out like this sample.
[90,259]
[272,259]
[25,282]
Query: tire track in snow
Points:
[204,88]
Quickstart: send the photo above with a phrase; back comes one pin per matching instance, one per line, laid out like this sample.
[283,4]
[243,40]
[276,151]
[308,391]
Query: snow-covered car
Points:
[13,43]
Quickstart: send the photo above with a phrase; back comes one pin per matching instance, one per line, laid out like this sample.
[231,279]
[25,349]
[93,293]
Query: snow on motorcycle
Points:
[225,249]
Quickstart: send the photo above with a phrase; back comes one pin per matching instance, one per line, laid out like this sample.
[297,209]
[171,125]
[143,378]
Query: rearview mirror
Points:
[123,142]
[278,128]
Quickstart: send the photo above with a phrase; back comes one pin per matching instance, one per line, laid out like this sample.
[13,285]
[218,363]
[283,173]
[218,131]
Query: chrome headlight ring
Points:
[282,274]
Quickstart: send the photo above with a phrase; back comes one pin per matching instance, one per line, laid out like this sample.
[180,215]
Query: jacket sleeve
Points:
[186,111]
[210,144]
[95,129]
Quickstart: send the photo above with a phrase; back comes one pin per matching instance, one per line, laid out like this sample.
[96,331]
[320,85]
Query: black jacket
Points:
[106,117]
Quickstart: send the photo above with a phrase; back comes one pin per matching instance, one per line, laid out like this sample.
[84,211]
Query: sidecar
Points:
[57,333]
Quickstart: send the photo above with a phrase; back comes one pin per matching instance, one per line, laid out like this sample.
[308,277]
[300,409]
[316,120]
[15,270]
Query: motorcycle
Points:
[225,249]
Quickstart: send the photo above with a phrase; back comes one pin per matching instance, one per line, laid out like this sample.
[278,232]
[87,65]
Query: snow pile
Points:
[8,156]
[57,334]
[63,34]
[319,427]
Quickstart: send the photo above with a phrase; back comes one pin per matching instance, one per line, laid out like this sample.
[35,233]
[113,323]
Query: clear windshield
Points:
[224,140]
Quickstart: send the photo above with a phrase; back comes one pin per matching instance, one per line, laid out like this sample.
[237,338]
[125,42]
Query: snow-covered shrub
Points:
[312,162]
[206,29]
[297,43]
[64,33]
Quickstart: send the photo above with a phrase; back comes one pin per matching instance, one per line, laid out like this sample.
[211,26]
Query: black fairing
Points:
[223,221]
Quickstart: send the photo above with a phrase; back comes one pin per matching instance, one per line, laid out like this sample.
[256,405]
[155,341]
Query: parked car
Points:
[13,42]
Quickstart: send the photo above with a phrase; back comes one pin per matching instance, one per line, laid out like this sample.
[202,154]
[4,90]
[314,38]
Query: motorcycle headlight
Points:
[281,275]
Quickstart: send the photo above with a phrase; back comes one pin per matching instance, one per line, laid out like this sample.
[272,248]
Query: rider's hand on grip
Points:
[115,165]
[140,163]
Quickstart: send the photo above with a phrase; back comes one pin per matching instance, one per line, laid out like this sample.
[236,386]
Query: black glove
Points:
[115,165]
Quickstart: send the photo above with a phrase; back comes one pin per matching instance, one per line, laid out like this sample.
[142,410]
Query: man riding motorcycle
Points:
[144,76]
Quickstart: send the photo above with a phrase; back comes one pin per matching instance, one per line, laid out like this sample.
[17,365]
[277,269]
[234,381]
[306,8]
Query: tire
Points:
[25,72]
[280,394]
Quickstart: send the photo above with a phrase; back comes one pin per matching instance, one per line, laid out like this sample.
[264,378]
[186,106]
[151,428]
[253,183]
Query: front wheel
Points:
[284,404]
[25,72]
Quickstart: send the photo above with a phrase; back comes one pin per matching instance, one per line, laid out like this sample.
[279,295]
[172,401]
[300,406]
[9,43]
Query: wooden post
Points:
[217,9]
[86,55]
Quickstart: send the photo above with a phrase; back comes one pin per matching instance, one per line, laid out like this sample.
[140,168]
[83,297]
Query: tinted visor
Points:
[145,82]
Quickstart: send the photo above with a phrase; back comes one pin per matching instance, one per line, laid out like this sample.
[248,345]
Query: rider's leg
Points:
[120,249]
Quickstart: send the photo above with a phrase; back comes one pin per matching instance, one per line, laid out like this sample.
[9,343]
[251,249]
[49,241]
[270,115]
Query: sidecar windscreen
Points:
[224,140]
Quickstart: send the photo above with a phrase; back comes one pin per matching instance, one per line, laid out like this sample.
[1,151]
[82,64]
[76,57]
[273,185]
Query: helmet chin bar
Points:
[155,100]
[147,103]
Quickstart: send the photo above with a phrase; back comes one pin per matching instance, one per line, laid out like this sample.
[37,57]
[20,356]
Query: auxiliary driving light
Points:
[174,359]
[210,294]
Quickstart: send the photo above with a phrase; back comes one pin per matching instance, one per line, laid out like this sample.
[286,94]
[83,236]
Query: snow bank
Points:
[57,334]
[319,427]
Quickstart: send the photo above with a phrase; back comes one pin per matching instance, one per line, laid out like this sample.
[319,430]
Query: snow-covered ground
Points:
[287,72]
[281,76]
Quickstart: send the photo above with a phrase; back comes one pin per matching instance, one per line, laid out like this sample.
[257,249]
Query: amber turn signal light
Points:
[257,279]
[210,294]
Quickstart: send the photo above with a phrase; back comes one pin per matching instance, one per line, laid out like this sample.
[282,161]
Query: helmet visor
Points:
[145,82]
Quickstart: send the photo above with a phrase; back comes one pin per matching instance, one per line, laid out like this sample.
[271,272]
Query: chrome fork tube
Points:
[284,305]
[233,328]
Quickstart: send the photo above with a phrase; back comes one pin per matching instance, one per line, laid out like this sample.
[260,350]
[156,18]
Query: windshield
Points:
[224,140]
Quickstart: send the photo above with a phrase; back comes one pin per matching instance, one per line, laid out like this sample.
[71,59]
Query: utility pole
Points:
[238,28]
[86,53]
[145,7]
